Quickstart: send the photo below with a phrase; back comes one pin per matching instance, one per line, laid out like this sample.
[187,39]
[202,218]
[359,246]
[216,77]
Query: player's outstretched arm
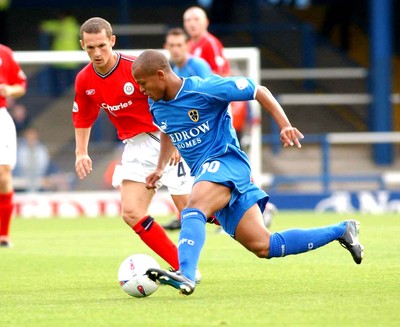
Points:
[83,163]
[289,135]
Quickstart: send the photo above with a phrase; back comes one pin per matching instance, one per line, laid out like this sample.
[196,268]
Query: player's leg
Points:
[250,232]
[6,204]
[8,157]
[135,200]
[206,198]
[179,183]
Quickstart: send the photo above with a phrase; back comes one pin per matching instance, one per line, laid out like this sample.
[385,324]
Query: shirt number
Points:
[211,167]
[181,170]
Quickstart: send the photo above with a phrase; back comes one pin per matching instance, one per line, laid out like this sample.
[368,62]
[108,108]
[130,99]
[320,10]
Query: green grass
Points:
[63,272]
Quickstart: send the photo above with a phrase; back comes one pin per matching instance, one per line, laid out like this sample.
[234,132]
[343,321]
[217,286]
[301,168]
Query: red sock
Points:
[6,209]
[157,239]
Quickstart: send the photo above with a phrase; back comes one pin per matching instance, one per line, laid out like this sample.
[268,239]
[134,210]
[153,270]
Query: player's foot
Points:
[349,240]
[171,278]
[173,225]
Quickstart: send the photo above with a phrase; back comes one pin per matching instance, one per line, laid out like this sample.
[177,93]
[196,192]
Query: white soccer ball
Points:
[132,275]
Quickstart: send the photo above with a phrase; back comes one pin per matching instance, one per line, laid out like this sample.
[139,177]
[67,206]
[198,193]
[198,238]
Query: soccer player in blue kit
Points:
[192,114]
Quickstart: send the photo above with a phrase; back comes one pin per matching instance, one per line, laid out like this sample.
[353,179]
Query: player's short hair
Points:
[95,25]
[177,31]
[150,61]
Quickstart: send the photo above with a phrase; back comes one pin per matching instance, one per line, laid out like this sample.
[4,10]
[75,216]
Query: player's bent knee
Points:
[260,250]
[130,218]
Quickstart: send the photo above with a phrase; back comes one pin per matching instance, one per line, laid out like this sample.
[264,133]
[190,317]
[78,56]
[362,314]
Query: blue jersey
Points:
[195,66]
[199,125]
[197,119]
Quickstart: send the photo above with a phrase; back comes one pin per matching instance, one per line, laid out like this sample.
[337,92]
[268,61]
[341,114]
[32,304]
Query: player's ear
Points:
[112,40]
[82,44]
[161,74]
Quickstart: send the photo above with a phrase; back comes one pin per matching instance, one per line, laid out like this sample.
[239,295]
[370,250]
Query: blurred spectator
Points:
[202,43]
[64,32]
[35,171]
[4,9]
[21,117]
[182,62]
[32,160]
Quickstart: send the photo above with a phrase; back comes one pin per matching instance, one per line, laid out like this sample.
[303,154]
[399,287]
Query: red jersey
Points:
[10,71]
[117,94]
[211,50]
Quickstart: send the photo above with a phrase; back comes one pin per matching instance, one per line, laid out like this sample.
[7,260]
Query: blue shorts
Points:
[232,169]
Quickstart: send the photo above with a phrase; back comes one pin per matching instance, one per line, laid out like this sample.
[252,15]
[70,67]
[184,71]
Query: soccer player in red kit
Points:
[202,43]
[12,84]
[106,83]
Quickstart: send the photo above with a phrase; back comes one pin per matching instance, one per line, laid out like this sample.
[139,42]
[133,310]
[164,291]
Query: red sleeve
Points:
[84,112]
[14,73]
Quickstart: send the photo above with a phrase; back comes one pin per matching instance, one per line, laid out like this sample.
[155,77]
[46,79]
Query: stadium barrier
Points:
[326,177]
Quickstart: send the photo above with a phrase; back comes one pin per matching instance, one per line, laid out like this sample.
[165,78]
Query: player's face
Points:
[195,22]
[150,85]
[99,48]
[176,45]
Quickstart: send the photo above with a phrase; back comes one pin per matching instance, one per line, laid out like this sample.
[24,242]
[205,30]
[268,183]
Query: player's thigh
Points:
[135,199]
[209,197]
[5,178]
[252,233]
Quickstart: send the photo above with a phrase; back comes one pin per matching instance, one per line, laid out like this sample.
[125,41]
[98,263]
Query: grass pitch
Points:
[63,272]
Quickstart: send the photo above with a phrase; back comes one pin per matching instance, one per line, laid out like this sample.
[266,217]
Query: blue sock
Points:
[295,241]
[191,240]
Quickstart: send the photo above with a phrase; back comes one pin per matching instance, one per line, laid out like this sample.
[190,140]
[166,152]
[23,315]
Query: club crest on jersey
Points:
[194,115]
[129,88]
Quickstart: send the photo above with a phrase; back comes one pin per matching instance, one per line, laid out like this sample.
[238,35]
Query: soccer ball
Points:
[132,275]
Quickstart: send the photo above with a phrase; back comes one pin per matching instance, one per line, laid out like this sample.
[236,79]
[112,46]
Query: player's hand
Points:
[151,179]
[3,90]
[175,158]
[83,166]
[290,136]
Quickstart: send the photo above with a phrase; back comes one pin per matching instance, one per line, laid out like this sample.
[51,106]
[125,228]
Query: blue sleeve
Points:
[236,88]
[202,68]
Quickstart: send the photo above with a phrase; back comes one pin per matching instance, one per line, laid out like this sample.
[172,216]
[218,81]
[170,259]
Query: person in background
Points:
[184,65]
[13,84]
[21,117]
[202,43]
[64,32]
[33,161]
[198,109]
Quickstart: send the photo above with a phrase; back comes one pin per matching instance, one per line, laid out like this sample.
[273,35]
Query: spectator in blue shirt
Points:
[182,62]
